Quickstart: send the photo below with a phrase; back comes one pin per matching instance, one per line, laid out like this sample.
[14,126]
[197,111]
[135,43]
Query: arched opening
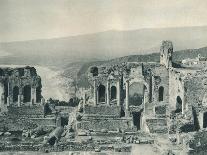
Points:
[64,121]
[136,93]
[1,72]
[161,94]
[38,94]
[5,92]
[178,104]
[15,93]
[136,119]
[205,120]
[52,140]
[122,112]
[101,93]
[113,92]
[27,93]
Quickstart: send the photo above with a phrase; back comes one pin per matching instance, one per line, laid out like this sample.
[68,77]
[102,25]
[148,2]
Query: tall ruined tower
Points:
[166,51]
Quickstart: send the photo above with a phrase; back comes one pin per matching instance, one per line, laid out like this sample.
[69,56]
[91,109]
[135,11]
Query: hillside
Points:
[81,73]
[100,46]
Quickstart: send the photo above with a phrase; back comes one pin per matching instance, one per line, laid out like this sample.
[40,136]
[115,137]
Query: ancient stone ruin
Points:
[166,98]
[164,104]
[19,86]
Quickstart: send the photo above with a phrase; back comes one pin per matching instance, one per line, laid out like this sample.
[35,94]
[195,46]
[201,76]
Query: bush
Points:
[73,102]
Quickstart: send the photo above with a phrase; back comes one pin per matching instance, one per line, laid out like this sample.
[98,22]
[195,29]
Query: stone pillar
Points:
[19,100]
[84,99]
[43,101]
[2,99]
[108,92]
[33,95]
[118,93]
[127,96]
[8,97]
[95,93]
[58,121]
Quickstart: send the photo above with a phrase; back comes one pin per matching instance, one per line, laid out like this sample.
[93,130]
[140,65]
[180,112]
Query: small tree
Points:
[94,71]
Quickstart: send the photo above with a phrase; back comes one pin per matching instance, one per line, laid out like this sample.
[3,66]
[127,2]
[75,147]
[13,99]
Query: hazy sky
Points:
[34,19]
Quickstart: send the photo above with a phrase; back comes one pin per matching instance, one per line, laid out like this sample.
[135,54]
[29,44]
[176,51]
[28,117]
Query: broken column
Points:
[95,93]
[19,100]
[108,92]
[84,99]
[127,96]
[34,94]
[118,93]
[42,101]
[58,121]
[8,97]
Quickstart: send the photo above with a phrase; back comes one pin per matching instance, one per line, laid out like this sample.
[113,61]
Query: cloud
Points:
[34,19]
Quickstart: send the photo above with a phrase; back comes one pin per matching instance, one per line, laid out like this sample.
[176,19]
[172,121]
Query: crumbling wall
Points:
[102,110]
[14,80]
[160,80]
[196,88]
[105,124]
[176,89]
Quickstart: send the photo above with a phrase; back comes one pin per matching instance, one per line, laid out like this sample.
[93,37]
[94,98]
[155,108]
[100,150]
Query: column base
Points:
[127,113]
[8,101]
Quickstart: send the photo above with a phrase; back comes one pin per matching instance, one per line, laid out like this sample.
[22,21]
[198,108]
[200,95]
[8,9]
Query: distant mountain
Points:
[81,73]
[100,46]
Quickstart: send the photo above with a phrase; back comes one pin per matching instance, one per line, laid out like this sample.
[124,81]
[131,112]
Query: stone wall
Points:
[44,121]
[102,110]
[35,111]
[14,82]
[161,79]
[23,118]
[196,89]
[107,124]
[176,88]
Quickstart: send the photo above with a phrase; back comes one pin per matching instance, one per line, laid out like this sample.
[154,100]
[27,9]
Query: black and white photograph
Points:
[103,77]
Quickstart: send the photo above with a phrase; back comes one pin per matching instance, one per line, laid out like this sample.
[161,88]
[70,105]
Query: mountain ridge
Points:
[102,45]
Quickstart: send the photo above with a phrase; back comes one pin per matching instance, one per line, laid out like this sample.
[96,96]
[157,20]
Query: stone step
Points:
[157,125]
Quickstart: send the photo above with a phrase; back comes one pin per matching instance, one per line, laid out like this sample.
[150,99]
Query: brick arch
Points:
[136,93]
[131,81]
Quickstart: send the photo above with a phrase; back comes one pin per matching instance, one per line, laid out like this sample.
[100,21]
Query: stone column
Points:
[33,95]
[84,99]
[95,93]
[43,101]
[127,95]
[8,97]
[108,92]
[2,99]
[58,121]
[19,100]
[118,93]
